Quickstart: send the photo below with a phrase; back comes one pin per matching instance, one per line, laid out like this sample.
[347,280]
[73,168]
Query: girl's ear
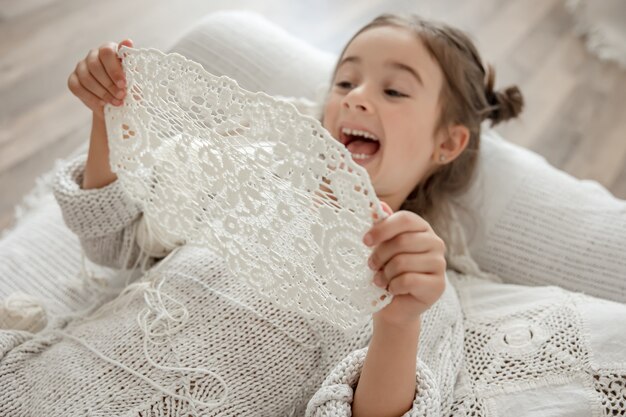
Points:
[453,143]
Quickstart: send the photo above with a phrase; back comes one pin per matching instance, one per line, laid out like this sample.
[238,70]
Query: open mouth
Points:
[363,145]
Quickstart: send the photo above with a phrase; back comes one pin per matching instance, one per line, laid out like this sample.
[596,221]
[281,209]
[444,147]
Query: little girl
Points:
[407,99]
[421,90]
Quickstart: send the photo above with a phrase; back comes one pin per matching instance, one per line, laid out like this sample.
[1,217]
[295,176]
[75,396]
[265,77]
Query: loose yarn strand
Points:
[144,378]
[155,301]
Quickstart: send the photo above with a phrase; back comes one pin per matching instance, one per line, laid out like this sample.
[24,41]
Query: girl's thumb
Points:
[125,42]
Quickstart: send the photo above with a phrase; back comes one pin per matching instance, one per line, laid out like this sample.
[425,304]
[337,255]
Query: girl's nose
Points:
[358,106]
[357,100]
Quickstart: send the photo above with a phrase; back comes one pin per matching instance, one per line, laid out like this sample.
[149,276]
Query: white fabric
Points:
[260,55]
[514,189]
[533,224]
[22,312]
[269,189]
[540,352]
[41,257]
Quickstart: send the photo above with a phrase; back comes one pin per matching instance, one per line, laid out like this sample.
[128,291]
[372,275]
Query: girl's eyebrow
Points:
[405,67]
[394,64]
[351,58]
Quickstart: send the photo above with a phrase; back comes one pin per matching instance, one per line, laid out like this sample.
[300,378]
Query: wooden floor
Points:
[574,114]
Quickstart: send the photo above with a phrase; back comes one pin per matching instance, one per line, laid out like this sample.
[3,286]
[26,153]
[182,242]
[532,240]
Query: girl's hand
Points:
[99,78]
[409,258]
[96,80]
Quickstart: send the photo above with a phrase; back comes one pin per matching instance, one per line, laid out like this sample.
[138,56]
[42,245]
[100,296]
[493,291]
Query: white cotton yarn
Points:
[21,311]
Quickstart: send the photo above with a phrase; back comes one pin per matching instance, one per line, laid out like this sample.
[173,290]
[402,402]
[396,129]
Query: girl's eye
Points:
[394,93]
[343,84]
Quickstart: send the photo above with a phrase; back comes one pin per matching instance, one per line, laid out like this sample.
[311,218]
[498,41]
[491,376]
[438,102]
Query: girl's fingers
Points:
[125,42]
[94,79]
[409,242]
[430,263]
[113,65]
[96,69]
[402,221]
[92,85]
[424,287]
[404,263]
[87,97]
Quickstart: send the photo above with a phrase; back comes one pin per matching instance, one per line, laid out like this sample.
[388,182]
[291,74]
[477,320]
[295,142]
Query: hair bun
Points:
[504,104]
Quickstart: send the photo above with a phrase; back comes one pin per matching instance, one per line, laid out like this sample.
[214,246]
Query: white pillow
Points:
[41,257]
[258,54]
[538,225]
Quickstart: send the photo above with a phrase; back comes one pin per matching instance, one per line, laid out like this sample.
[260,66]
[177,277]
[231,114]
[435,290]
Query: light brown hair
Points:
[467,98]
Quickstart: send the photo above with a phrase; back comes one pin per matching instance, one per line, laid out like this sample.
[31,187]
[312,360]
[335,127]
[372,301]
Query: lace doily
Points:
[248,176]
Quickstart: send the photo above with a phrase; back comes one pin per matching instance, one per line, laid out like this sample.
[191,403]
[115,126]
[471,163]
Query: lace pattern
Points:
[247,175]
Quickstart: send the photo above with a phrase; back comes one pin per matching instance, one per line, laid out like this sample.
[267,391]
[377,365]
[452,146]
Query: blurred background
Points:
[575,101]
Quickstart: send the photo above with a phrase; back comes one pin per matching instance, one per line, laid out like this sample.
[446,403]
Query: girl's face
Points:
[387,85]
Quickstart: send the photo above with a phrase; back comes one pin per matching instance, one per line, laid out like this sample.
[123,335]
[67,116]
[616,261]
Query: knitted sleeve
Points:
[104,219]
[334,398]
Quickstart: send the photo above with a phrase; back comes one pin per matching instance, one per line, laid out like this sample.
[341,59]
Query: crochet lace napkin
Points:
[248,176]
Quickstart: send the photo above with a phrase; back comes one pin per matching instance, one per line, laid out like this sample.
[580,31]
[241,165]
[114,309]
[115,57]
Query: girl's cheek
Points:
[330,114]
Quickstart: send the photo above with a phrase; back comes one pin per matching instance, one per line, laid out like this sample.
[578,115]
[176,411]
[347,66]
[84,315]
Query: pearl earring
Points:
[442,158]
